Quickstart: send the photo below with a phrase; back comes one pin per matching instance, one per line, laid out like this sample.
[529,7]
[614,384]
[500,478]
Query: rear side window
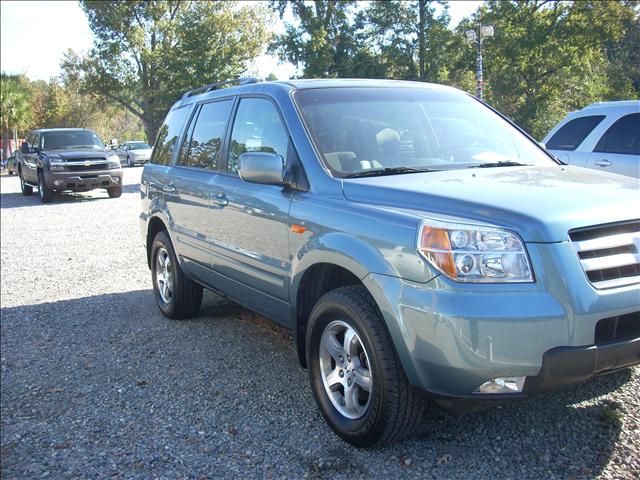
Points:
[205,147]
[622,136]
[572,133]
[257,128]
[168,135]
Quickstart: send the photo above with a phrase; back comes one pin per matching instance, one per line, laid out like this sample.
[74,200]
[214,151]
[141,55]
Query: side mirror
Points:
[24,148]
[261,167]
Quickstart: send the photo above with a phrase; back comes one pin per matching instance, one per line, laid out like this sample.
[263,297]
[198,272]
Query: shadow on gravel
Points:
[17,200]
[91,382]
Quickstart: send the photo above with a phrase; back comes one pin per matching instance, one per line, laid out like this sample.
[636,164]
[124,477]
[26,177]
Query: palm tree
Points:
[15,106]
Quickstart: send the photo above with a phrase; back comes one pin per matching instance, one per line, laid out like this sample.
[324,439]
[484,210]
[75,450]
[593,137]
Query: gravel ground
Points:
[95,383]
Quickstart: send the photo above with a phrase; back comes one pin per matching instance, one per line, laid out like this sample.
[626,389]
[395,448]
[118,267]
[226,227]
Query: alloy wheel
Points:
[344,366]
[164,275]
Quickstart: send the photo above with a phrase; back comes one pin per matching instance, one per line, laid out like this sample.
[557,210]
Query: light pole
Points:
[484,31]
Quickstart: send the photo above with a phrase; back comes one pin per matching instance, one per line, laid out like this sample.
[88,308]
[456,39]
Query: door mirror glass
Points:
[261,167]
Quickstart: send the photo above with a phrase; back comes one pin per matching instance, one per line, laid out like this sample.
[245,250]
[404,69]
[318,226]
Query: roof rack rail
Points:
[215,86]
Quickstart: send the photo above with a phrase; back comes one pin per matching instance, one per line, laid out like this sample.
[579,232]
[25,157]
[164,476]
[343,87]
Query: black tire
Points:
[26,189]
[186,294]
[46,194]
[114,192]
[394,408]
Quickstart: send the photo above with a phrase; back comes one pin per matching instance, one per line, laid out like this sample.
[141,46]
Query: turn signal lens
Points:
[474,253]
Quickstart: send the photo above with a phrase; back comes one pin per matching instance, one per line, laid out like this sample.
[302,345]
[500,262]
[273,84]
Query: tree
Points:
[15,107]
[550,57]
[322,42]
[147,53]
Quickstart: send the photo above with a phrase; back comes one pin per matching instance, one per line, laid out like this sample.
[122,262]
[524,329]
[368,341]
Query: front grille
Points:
[622,327]
[609,254]
[83,168]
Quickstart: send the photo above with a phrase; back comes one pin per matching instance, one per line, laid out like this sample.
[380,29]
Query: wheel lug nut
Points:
[341,373]
[349,382]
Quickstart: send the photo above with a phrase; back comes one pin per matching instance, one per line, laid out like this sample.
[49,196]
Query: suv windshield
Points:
[365,131]
[137,146]
[70,139]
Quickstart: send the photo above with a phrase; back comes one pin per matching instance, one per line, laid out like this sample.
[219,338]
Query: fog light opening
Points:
[57,183]
[502,385]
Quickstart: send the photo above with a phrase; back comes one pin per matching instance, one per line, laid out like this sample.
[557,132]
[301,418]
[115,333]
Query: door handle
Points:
[220,199]
[170,188]
[603,163]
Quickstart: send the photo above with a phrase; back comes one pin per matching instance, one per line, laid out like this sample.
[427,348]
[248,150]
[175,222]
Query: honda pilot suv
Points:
[415,242]
[67,159]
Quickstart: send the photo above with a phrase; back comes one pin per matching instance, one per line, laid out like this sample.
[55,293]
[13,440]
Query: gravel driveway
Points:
[95,383]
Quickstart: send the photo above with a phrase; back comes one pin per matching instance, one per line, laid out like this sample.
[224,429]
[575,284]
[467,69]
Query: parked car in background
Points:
[11,163]
[413,240]
[67,159]
[134,153]
[602,136]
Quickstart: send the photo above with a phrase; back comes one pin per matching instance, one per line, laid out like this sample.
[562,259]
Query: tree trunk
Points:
[5,139]
[421,41]
[151,126]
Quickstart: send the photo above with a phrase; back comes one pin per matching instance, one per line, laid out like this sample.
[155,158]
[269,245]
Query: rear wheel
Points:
[114,192]
[355,373]
[26,189]
[46,194]
[177,296]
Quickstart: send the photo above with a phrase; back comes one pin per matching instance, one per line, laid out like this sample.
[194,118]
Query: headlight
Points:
[474,253]
[113,161]
[56,164]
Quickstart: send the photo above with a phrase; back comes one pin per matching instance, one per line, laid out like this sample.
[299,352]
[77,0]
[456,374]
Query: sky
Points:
[35,34]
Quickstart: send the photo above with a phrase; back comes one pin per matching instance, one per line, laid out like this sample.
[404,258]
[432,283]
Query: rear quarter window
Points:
[168,135]
[622,137]
[572,133]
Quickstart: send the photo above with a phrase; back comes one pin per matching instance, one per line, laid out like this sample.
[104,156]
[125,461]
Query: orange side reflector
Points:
[295,228]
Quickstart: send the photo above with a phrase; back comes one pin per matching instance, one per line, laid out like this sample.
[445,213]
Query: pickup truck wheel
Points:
[46,194]
[26,189]
[355,373]
[114,192]
[177,296]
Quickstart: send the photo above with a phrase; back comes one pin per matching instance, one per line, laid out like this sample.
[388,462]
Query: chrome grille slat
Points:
[610,261]
[609,254]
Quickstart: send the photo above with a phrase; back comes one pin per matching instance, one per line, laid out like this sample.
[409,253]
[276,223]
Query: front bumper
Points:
[451,337]
[83,181]
[139,160]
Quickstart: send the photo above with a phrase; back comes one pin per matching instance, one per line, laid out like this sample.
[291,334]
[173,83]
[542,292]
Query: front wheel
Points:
[355,373]
[24,188]
[177,296]
[46,194]
[114,192]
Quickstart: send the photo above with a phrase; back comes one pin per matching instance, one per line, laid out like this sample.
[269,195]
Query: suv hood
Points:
[78,153]
[540,203]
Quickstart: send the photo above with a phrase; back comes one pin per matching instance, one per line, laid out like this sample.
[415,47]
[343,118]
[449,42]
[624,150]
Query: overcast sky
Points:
[34,35]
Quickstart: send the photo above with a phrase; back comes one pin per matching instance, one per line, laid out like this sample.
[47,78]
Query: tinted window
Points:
[137,146]
[622,136]
[257,128]
[204,148]
[168,135]
[572,133]
[71,139]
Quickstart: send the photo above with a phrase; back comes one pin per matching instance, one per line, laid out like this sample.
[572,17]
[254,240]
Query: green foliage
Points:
[15,111]
[147,53]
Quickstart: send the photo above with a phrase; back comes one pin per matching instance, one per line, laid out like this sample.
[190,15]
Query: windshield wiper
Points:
[388,171]
[508,163]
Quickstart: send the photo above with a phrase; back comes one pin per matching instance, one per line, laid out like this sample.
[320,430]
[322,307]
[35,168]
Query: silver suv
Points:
[603,136]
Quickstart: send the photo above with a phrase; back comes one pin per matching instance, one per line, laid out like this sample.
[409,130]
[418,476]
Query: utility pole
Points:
[484,31]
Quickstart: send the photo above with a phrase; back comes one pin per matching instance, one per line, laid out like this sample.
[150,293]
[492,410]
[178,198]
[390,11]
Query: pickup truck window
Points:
[168,135]
[204,148]
[257,128]
[404,129]
[70,139]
